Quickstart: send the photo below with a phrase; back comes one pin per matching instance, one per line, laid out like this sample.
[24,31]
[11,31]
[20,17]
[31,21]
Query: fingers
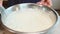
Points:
[1,2]
[46,3]
[49,3]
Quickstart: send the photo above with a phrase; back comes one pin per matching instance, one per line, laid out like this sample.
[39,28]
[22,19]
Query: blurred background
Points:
[56,4]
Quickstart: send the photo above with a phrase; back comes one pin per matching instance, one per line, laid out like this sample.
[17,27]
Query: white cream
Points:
[29,20]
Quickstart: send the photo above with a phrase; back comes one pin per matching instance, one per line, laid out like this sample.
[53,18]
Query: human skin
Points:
[42,2]
[45,2]
[1,1]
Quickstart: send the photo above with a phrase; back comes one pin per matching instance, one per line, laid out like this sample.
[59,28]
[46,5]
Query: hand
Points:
[1,1]
[45,2]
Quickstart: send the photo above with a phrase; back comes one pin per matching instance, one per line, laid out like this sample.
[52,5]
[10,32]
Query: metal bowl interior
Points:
[30,5]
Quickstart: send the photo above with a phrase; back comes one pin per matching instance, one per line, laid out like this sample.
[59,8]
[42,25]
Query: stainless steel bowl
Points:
[6,12]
